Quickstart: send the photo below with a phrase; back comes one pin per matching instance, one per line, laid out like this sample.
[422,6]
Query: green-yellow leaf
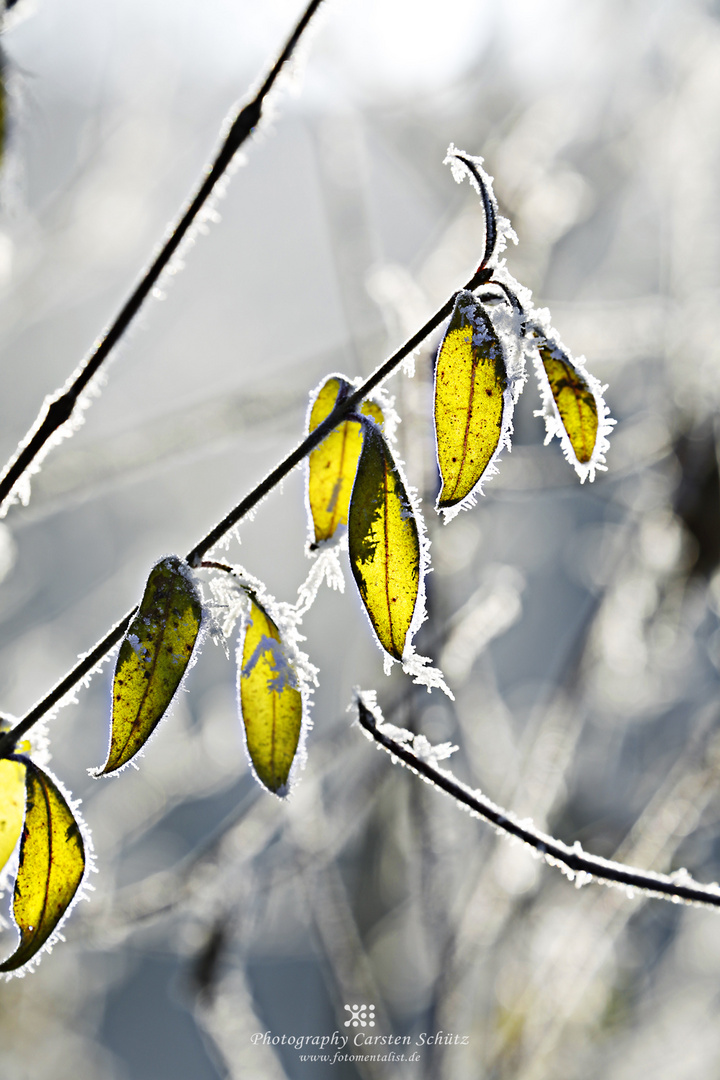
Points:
[12,806]
[470,400]
[270,702]
[575,401]
[52,863]
[153,657]
[333,463]
[384,543]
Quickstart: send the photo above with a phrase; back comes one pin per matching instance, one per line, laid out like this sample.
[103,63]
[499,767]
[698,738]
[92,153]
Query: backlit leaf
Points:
[333,463]
[12,806]
[12,801]
[471,403]
[153,657]
[384,543]
[574,400]
[52,863]
[270,700]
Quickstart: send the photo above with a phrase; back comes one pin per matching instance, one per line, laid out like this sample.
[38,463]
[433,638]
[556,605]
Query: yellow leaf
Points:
[575,401]
[12,799]
[153,658]
[333,463]
[384,543]
[52,863]
[12,806]
[270,702]
[470,400]
[3,111]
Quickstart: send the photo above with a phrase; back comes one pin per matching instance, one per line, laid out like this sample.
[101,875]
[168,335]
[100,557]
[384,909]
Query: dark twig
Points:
[573,861]
[489,206]
[86,664]
[57,409]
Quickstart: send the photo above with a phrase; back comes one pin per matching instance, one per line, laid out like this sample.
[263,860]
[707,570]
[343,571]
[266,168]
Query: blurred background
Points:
[578,626]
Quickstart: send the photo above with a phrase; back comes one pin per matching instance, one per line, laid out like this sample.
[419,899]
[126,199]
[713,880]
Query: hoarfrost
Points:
[421,747]
[418,667]
[578,866]
[466,167]
[21,490]
[234,591]
[517,329]
[326,567]
[539,323]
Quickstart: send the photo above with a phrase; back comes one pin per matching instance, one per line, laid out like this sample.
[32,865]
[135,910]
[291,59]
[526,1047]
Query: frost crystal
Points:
[578,866]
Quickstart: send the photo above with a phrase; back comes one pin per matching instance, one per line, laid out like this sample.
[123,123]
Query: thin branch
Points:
[572,861]
[195,556]
[341,410]
[57,409]
[87,662]
[489,205]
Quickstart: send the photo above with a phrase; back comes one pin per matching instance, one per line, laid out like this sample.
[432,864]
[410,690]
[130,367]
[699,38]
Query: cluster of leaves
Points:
[357,497]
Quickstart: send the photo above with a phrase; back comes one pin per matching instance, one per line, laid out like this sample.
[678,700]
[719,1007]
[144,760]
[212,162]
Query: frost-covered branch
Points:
[194,557]
[578,866]
[65,405]
[82,670]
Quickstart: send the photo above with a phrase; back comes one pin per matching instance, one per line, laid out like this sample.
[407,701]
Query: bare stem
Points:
[58,408]
[86,664]
[573,861]
[489,206]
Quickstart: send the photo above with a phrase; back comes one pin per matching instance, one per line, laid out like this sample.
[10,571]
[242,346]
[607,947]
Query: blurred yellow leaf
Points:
[270,701]
[333,463]
[153,658]
[52,863]
[384,543]
[575,401]
[470,384]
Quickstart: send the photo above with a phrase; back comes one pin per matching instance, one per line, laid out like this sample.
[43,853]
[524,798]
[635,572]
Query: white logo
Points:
[361,1016]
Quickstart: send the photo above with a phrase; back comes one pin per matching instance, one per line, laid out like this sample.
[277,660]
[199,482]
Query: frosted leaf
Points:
[390,556]
[270,703]
[230,590]
[331,467]
[56,858]
[159,648]
[586,392]
[235,593]
[479,374]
